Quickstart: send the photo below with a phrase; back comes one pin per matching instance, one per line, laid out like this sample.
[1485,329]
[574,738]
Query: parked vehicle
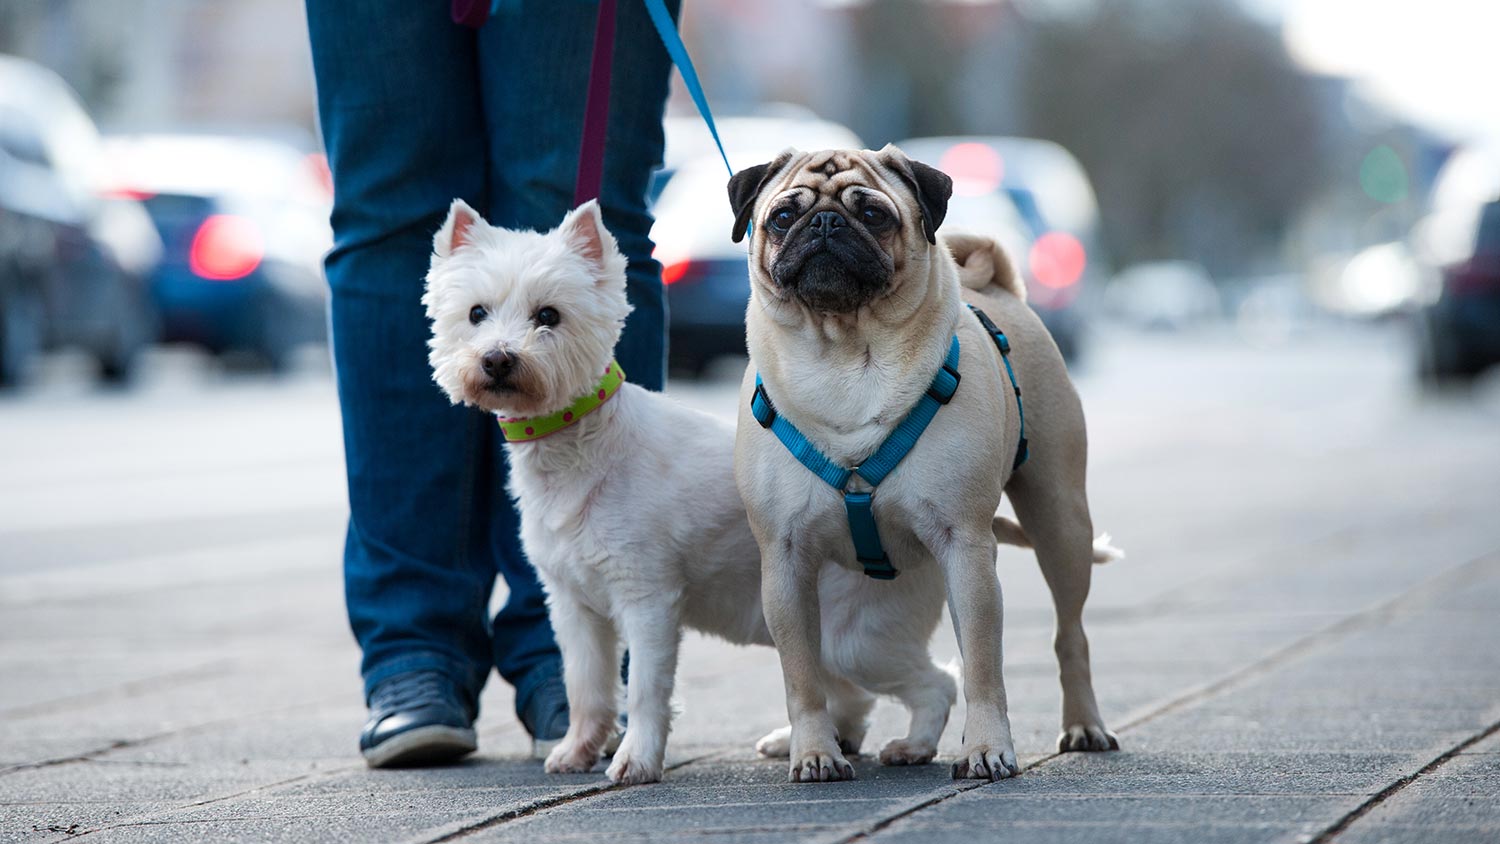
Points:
[1461,334]
[707,277]
[245,226]
[73,262]
[1062,260]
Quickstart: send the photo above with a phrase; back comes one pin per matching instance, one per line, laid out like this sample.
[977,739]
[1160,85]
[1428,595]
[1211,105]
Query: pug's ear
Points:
[457,230]
[932,187]
[745,186]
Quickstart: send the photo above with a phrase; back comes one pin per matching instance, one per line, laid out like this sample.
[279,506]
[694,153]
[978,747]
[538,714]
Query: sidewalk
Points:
[1301,645]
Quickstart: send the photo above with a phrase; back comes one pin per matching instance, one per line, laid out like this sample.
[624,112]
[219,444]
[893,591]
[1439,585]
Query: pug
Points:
[855,304]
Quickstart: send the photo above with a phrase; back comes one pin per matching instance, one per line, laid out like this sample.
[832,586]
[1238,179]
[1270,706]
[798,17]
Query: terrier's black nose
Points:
[825,222]
[498,364]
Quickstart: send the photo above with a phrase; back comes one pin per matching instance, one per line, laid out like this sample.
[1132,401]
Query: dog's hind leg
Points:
[1061,531]
[928,693]
[850,706]
[776,744]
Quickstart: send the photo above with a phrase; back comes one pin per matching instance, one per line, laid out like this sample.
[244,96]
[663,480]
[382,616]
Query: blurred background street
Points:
[1265,233]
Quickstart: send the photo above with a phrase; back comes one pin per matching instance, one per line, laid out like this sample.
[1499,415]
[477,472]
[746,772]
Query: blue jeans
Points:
[415,111]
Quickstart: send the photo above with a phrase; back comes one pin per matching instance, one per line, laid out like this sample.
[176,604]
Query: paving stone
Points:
[107,782]
[1392,833]
[1069,831]
[36,821]
[355,825]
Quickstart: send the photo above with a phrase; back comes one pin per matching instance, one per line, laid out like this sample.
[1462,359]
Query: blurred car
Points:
[706,274]
[1462,328]
[73,263]
[245,226]
[1061,259]
[1164,296]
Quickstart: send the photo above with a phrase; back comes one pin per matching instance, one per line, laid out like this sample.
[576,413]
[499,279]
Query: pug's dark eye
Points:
[783,219]
[477,314]
[547,317]
[874,217]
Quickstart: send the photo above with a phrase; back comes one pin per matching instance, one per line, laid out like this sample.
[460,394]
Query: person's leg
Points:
[403,127]
[534,67]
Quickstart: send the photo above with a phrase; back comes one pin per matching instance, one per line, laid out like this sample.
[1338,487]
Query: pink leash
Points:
[474,13]
[596,112]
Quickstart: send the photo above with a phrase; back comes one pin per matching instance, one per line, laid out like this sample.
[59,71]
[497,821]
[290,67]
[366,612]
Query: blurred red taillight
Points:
[976,169]
[126,192]
[318,163]
[1057,260]
[226,248]
[675,271]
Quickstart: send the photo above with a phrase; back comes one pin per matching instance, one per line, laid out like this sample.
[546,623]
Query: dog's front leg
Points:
[789,592]
[652,633]
[590,666]
[974,602]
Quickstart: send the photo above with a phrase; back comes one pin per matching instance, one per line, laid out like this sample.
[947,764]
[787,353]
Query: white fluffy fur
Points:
[631,515]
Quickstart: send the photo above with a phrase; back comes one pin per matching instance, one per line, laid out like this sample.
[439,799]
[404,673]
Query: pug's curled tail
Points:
[982,263]
[1008,532]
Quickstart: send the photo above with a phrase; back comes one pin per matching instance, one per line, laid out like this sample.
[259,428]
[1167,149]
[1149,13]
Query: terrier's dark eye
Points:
[783,219]
[547,317]
[477,314]
[874,217]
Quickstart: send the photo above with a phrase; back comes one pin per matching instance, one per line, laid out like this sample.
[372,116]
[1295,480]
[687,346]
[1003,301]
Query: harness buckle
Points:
[939,397]
[765,411]
[878,569]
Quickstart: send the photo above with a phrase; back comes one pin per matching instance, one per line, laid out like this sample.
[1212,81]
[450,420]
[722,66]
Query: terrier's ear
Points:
[745,186]
[932,187]
[586,235]
[456,230]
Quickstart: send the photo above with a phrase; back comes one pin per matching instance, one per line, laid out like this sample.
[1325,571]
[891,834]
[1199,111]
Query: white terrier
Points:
[628,504]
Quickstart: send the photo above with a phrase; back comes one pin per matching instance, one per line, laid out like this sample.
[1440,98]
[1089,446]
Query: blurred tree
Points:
[907,66]
[1203,140]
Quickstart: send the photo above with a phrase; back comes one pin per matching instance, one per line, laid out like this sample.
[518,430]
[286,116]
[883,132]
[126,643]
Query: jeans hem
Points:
[456,670]
[529,682]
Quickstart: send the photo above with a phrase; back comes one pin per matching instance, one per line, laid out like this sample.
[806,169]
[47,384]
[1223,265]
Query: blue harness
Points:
[858,505]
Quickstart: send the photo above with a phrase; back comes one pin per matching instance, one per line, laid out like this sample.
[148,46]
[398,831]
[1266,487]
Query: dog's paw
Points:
[570,757]
[820,766]
[906,752]
[1086,737]
[776,744]
[986,762]
[629,768]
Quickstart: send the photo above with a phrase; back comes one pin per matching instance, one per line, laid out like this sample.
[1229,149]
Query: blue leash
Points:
[672,40]
[474,14]
[858,506]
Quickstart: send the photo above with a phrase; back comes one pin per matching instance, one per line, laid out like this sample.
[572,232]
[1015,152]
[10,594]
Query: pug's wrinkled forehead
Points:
[840,176]
[830,172]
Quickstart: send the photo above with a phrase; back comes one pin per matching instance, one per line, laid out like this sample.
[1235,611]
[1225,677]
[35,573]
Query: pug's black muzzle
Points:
[830,265]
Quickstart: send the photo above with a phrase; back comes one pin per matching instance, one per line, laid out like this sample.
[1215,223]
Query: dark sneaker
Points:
[545,715]
[418,718]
